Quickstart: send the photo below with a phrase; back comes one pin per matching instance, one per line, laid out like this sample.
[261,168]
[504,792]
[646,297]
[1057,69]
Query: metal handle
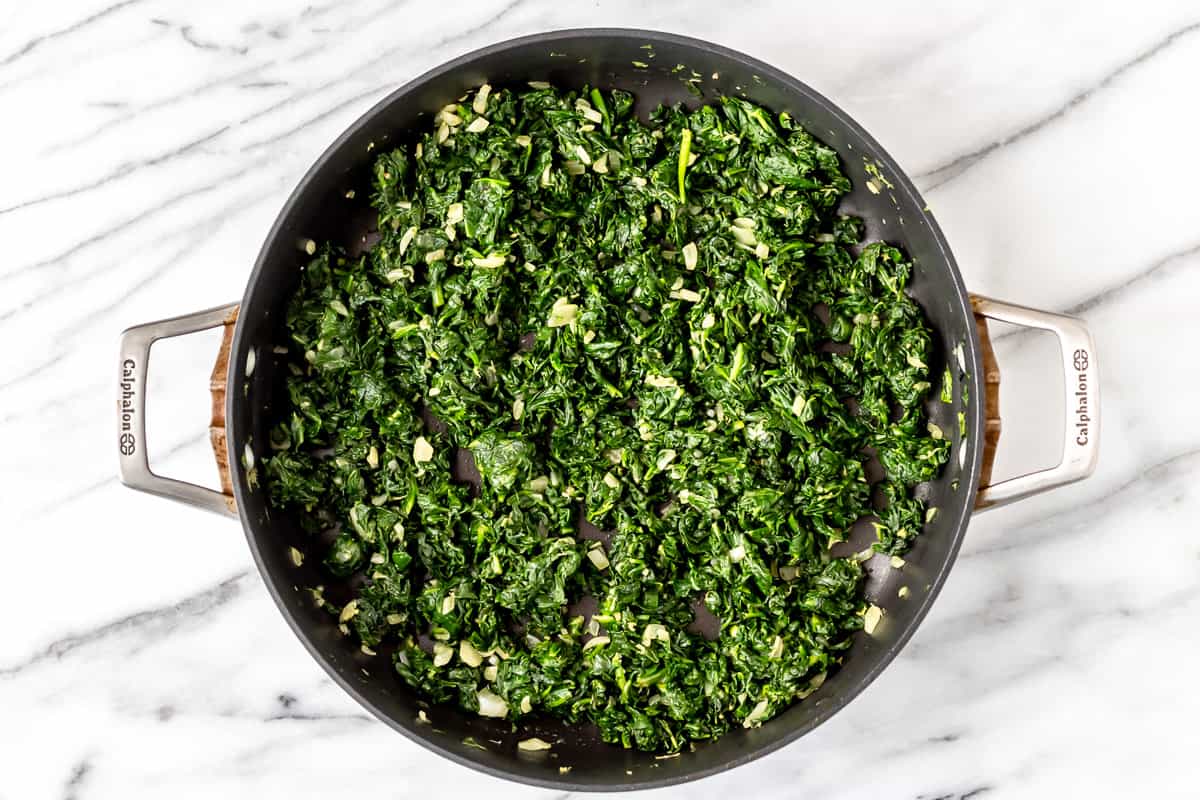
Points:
[1081,434]
[131,409]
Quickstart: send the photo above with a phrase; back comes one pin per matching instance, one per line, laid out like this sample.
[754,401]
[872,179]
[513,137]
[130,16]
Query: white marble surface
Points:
[147,146]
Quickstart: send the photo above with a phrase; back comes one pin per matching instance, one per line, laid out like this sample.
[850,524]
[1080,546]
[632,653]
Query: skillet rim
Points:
[969,476]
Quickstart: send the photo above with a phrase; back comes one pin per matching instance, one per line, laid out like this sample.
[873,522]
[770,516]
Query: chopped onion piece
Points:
[871,619]
[491,704]
[422,450]
[598,558]
[756,715]
[479,104]
[691,255]
[744,236]
[406,239]
[661,382]
[468,654]
[655,632]
[490,261]
[777,648]
[533,744]
[563,312]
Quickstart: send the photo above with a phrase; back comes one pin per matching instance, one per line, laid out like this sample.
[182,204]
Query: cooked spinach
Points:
[668,358]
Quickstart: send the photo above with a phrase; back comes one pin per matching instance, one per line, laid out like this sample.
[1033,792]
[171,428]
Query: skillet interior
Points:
[320,210]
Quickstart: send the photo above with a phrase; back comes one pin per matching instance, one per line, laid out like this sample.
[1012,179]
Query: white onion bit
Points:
[871,619]
[491,704]
[422,450]
[468,654]
[533,744]
[479,104]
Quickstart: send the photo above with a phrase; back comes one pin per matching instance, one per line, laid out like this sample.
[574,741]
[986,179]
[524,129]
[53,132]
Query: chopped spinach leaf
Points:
[659,350]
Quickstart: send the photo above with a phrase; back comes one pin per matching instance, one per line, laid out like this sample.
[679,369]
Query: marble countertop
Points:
[148,145]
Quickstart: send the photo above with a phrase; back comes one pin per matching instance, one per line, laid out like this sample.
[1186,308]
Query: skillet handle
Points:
[132,371]
[1081,404]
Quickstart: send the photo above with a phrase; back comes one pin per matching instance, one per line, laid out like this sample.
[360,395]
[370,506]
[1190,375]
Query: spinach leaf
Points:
[667,357]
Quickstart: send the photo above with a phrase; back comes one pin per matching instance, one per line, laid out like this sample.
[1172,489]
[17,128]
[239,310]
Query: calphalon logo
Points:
[127,441]
[1081,360]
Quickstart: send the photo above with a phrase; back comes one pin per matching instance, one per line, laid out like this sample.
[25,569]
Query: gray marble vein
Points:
[121,171]
[160,621]
[943,173]
[1160,268]
[234,77]
[77,780]
[42,39]
[1077,522]
[193,229]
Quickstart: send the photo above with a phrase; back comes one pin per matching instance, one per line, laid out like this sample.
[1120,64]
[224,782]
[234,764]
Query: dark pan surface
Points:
[319,209]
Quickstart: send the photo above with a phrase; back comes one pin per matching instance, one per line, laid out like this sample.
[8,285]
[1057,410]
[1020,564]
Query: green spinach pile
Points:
[668,359]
